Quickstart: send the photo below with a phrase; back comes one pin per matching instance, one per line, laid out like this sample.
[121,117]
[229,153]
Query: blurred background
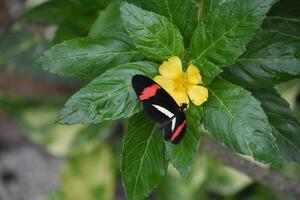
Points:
[40,159]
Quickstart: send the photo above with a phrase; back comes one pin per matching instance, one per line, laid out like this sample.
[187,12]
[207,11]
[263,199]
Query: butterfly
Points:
[161,107]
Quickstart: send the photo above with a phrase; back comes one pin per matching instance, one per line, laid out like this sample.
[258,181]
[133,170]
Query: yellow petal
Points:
[193,75]
[198,94]
[179,96]
[164,82]
[171,68]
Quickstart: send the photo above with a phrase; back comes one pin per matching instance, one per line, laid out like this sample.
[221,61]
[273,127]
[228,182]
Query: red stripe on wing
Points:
[178,130]
[149,92]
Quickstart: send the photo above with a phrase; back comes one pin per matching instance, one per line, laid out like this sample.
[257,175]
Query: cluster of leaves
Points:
[92,165]
[233,40]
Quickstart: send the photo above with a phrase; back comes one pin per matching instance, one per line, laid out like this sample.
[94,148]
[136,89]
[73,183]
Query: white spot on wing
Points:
[173,123]
[163,110]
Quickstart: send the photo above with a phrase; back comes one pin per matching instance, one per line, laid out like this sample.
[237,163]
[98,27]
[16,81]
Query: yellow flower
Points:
[182,86]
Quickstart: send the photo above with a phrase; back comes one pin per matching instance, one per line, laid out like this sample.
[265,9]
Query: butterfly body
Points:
[161,107]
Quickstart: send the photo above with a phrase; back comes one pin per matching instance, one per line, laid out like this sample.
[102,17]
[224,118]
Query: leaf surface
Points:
[143,158]
[61,13]
[108,19]
[284,17]
[225,30]
[236,119]
[108,97]
[154,35]
[87,58]
[283,120]
[182,13]
[271,58]
[182,155]
[51,12]
[91,5]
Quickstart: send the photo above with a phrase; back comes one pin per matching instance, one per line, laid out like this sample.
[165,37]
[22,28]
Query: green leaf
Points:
[108,19]
[89,176]
[284,17]
[286,8]
[108,97]
[88,57]
[61,13]
[290,26]
[154,35]
[65,33]
[226,29]
[208,71]
[270,58]
[182,155]
[182,13]
[283,120]
[51,12]
[143,158]
[91,5]
[236,119]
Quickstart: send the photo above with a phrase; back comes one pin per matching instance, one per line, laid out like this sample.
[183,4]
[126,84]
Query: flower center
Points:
[180,83]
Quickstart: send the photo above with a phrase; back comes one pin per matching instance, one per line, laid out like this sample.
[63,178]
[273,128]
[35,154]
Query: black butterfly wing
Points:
[161,107]
[175,129]
[157,103]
